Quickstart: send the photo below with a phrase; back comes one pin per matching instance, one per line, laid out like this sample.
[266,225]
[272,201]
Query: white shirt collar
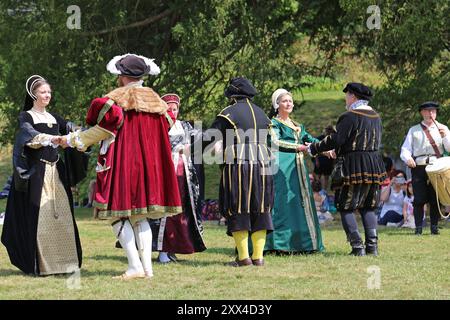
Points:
[135,84]
[359,104]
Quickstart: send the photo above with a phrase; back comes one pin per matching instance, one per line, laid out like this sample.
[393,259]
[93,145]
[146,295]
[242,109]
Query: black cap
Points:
[132,66]
[359,90]
[429,105]
[240,87]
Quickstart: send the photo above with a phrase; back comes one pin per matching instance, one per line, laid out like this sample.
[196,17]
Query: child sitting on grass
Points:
[320,199]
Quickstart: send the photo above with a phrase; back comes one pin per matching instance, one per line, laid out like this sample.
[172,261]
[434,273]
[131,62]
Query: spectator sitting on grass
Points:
[321,201]
[392,197]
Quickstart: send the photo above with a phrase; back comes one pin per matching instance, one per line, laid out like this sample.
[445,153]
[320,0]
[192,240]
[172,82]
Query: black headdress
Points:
[29,86]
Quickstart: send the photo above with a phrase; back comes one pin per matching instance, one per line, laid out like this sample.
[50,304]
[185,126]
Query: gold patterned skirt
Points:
[56,246]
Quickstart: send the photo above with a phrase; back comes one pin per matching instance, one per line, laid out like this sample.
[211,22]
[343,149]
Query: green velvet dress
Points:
[295,221]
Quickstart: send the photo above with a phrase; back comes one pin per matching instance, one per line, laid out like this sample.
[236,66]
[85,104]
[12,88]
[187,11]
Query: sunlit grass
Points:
[410,267]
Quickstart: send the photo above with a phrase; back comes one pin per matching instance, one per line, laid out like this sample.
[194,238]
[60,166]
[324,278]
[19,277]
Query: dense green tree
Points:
[199,46]
[411,49]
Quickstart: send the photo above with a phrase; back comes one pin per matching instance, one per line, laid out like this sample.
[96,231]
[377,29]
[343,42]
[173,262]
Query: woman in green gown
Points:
[296,225]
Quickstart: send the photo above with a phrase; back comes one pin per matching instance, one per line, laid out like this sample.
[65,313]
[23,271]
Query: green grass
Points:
[411,268]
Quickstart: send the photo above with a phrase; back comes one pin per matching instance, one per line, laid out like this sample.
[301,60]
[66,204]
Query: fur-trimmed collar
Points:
[142,99]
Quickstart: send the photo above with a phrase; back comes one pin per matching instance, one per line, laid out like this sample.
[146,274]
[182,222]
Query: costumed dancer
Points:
[135,172]
[246,188]
[359,170]
[39,231]
[424,143]
[182,233]
[295,220]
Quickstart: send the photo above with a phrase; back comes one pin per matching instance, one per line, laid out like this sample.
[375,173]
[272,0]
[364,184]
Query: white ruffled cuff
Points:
[42,140]
[74,140]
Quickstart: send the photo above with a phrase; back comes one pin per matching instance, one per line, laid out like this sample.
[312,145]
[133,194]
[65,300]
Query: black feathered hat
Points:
[132,65]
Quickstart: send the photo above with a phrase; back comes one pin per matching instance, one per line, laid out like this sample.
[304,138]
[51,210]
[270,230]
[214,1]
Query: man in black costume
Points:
[359,169]
[246,188]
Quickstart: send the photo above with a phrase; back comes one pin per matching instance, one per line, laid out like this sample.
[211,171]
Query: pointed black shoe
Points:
[371,242]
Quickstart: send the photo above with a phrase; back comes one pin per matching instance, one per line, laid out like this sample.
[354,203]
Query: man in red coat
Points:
[135,172]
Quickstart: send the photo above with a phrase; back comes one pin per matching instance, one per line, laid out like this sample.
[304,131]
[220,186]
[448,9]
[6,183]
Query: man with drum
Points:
[424,143]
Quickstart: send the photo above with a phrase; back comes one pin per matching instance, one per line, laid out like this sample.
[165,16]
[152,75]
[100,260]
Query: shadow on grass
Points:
[13,273]
[216,250]
[122,258]
[119,257]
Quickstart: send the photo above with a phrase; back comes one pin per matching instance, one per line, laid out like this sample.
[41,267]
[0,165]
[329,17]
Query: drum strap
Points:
[432,142]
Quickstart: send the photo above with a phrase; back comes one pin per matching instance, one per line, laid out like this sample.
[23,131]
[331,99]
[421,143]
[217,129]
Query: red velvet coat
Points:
[135,172]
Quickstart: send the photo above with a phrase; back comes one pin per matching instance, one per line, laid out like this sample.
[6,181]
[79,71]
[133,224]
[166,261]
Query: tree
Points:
[411,50]
[199,46]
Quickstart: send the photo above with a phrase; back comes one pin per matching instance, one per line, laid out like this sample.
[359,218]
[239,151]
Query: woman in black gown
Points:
[39,232]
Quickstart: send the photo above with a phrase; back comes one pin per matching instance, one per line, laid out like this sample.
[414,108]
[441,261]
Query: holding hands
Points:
[60,141]
[331,154]
[302,148]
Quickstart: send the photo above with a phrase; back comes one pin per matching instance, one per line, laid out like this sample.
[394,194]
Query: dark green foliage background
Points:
[200,45]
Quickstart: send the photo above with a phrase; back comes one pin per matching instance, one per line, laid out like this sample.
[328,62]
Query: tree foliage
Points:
[200,45]
[411,50]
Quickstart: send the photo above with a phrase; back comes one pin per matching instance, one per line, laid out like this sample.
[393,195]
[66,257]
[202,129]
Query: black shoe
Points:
[357,244]
[434,229]
[258,262]
[118,245]
[371,242]
[418,231]
[172,257]
[359,252]
[241,263]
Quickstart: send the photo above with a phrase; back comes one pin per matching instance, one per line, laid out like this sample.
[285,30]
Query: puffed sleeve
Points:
[105,117]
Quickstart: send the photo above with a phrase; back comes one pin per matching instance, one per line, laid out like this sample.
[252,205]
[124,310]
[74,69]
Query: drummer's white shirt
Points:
[416,142]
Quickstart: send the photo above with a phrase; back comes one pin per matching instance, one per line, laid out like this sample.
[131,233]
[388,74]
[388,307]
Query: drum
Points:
[439,174]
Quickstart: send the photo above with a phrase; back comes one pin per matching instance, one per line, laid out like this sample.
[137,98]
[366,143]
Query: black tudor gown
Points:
[39,231]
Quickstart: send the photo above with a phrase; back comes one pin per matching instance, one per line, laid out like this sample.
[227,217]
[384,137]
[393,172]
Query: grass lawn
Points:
[410,267]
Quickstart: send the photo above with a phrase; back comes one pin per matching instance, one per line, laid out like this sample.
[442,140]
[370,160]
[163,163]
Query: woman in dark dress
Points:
[182,233]
[39,232]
